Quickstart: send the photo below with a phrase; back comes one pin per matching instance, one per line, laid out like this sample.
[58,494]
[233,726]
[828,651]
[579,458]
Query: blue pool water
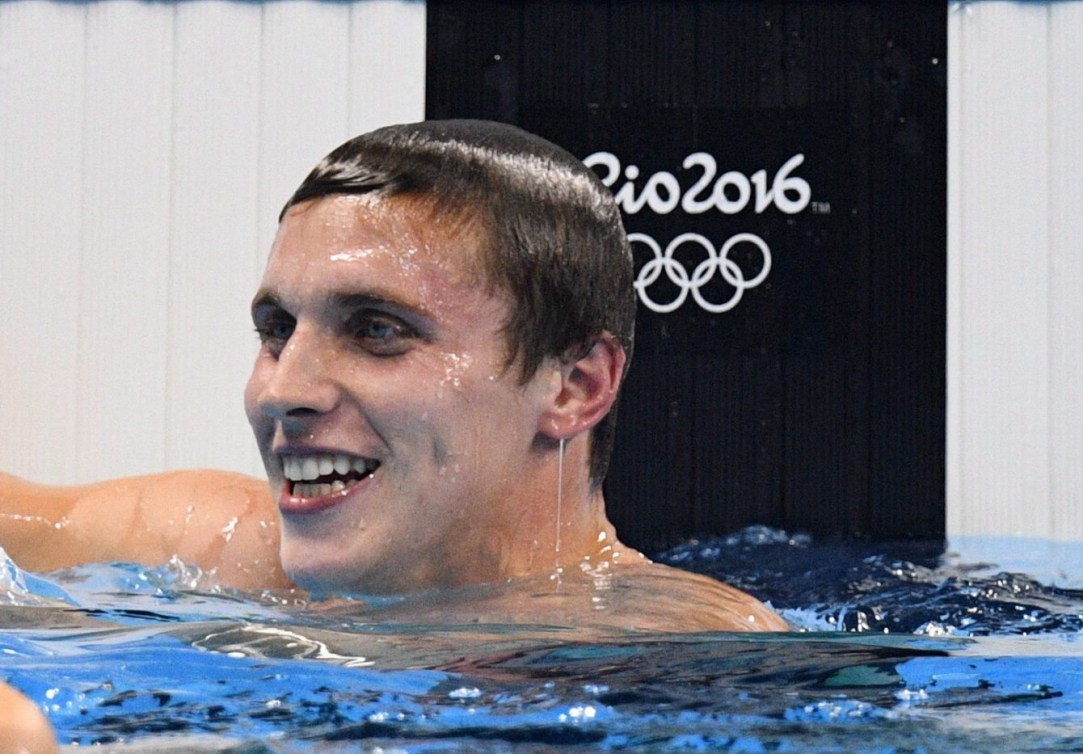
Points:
[902,648]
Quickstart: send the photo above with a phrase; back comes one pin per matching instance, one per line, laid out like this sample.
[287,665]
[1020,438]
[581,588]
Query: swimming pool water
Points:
[903,649]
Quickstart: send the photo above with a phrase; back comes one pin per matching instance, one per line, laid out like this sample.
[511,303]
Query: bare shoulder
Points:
[676,600]
[221,521]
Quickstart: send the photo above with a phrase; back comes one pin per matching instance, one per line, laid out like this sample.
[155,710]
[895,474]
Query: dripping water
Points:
[560,503]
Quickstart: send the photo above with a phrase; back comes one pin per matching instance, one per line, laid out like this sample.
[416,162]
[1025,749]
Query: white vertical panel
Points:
[141,171]
[387,77]
[1002,312]
[41,122]
[955,446]
[126,212]
[213,251]
[304,97]
[1066,269]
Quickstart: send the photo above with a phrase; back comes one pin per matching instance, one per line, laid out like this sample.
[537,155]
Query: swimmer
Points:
[445,320]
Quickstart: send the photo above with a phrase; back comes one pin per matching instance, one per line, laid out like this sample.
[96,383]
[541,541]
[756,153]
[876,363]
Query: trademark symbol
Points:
[820,208]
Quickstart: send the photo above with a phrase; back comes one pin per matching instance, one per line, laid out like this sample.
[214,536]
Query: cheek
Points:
[495,423]
[443,417]
[252,391]
[249,401]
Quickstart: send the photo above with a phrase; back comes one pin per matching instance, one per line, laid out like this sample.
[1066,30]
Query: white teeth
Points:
[338,485]
[309,468]
[302,489]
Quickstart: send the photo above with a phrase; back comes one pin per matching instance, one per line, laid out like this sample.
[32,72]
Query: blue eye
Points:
[280,330]
[378,330]
[274,331]
[382,334]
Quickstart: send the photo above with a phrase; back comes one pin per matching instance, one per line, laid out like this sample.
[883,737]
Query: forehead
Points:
[368,225]
[391,254]
[339,238]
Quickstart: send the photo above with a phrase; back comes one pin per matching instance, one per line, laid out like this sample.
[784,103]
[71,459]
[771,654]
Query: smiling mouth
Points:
[322,474]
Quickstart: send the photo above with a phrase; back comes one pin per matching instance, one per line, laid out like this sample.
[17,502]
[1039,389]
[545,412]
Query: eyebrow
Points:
[264,299]
[348,302]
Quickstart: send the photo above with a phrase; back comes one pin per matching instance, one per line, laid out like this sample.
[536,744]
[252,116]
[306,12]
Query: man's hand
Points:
[23,727]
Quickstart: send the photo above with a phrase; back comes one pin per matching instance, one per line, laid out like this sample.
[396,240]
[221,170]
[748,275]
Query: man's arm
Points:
[220,521]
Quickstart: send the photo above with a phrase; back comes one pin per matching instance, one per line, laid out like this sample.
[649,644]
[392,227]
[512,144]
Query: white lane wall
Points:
[145,149]
[1015,257]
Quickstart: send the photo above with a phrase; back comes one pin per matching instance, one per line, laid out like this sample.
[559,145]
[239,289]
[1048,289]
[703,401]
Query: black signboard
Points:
[781,167]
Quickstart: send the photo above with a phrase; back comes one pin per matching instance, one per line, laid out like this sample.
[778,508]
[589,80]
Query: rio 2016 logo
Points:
[730,193]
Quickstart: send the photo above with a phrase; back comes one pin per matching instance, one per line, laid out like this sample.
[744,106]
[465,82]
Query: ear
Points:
[588,389]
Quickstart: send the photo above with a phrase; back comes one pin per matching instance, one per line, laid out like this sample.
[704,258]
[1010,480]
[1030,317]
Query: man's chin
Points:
[318,576]
[331,576]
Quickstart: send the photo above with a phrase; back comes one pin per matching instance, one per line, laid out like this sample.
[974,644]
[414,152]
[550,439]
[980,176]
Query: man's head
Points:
[445,306]
[550,234]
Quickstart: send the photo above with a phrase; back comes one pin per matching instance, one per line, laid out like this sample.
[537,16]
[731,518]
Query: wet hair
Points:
[552,235]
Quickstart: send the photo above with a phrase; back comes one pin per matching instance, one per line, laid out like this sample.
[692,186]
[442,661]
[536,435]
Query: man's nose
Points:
[300,385]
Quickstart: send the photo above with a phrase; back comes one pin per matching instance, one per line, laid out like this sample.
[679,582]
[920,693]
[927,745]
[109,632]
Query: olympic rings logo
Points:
[716,262]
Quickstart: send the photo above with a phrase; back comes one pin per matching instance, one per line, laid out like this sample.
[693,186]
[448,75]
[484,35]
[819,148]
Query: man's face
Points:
[395,439]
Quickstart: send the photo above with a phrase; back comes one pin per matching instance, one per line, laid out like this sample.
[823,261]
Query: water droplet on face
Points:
[355,255]
[456,366]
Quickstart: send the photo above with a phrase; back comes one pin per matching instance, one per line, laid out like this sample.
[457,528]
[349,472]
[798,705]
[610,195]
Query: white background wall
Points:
[1015,256]
[145,149]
